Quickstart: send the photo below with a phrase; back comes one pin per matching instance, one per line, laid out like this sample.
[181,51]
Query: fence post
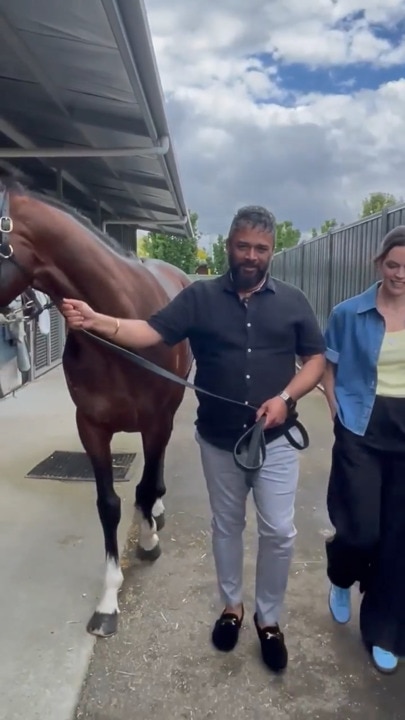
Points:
[302,274]
[329,280]
[384,222]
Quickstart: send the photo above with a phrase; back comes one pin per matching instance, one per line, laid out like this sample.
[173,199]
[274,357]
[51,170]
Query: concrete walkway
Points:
[51,555]
[161,663]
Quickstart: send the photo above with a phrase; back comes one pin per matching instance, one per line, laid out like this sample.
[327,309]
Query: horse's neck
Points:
[79,266]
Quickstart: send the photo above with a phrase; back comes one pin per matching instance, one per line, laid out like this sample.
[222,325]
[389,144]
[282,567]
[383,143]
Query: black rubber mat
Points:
[62,465]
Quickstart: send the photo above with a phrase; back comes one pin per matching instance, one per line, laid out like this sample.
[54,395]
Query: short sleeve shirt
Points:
[243,350]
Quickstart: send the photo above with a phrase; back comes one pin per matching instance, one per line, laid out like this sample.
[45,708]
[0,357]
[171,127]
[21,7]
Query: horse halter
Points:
[6,227]
[30,302]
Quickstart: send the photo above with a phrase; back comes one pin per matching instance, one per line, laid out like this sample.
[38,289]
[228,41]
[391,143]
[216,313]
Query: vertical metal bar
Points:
[59,184]
[302,268]
[384,223]
[31,372]
[329,281]
[99,218]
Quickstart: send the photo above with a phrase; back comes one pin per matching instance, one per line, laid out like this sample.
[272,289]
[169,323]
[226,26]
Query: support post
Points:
[59,184]
[99,215]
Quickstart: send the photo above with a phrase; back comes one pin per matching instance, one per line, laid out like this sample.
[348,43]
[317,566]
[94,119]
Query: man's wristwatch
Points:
[288,400]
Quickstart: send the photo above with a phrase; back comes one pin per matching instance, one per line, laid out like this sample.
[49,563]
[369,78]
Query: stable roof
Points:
[80,94]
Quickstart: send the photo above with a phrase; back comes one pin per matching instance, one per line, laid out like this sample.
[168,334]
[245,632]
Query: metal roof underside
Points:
[80,75]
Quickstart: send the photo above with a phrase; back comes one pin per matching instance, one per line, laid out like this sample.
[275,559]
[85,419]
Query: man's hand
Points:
[125,332]
[275,411]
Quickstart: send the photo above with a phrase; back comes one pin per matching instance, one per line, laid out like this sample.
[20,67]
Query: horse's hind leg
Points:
[96,441]
[151,488]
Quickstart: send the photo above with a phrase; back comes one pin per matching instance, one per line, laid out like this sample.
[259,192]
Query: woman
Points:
[365,388]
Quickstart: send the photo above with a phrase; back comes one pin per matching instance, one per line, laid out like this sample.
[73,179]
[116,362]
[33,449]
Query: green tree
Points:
[287,235]
[326,227]
[375,202]
[179,251]
[210,264]
[219,256]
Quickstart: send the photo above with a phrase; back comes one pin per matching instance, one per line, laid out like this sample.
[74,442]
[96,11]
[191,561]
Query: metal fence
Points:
[46,350]
[339,264]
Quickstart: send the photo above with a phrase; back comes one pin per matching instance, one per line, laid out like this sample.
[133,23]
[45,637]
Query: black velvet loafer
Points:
[225,634]
[274,651]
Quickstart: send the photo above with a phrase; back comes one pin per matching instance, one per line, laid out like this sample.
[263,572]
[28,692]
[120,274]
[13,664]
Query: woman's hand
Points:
[78,314]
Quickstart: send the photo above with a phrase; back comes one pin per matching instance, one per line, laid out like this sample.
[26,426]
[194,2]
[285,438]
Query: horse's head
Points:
[17,255]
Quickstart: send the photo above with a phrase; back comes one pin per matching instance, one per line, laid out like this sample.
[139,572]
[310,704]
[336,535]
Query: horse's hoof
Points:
[160,521]
[150,555]
[103,624]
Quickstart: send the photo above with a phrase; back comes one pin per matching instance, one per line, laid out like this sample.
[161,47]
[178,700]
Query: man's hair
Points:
[254,216]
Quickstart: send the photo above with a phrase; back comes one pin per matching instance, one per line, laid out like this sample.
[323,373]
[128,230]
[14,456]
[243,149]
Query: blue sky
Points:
[394,32]
[294,106]
[299,78]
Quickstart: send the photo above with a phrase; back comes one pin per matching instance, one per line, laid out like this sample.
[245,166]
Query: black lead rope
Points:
[250,450]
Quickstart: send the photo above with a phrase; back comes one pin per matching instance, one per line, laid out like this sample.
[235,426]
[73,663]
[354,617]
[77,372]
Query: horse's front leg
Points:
[96,441]
[151,488]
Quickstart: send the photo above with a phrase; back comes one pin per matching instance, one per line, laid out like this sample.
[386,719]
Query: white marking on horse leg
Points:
[112,583]
[148,538]
[158,508]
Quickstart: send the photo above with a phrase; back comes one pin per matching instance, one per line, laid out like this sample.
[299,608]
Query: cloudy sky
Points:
[299,106]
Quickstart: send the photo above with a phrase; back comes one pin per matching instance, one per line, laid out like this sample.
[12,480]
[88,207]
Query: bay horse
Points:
[48,246]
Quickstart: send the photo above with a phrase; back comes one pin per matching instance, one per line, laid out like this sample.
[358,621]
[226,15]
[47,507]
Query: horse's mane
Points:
[11,184]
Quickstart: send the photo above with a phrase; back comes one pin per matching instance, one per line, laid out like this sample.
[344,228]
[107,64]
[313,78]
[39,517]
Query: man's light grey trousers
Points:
[274,490]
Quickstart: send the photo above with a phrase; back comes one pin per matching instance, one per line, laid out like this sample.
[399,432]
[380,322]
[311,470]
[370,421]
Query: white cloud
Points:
[241,137]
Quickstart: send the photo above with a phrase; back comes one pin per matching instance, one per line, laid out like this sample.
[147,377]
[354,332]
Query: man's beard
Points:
[246,280]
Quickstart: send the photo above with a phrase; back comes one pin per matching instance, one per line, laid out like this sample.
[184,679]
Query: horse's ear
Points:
[6,224]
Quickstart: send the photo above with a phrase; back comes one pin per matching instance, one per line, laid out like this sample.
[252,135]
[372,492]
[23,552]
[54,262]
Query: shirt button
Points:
[246,402]
[244,427]
[249,325]
[247,377]
[249,350]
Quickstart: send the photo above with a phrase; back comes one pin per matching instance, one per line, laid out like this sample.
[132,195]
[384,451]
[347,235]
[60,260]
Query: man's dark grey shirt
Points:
[245,351]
